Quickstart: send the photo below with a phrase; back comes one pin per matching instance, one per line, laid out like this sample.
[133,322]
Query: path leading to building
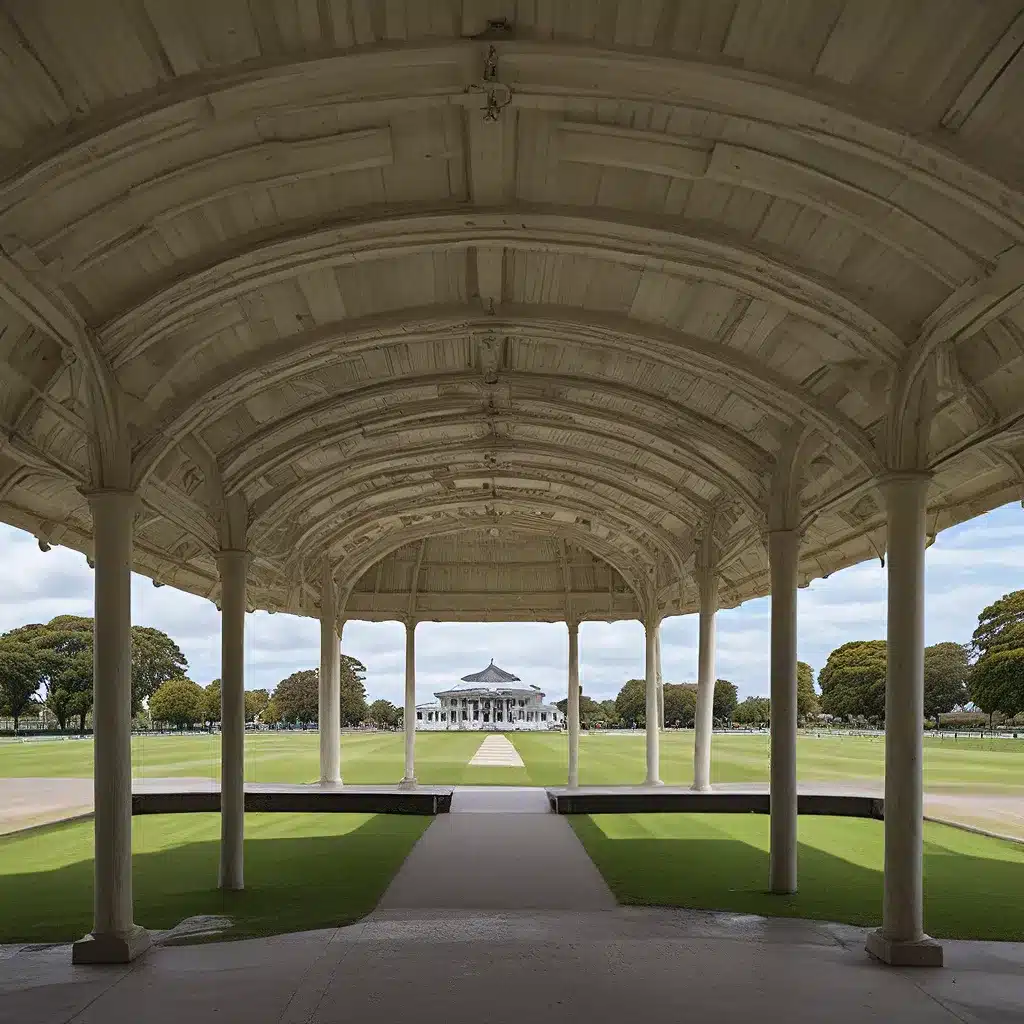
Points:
[497,752]
[499,849]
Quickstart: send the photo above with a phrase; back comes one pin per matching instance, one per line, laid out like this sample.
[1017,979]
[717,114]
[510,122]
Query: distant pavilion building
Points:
[488,700]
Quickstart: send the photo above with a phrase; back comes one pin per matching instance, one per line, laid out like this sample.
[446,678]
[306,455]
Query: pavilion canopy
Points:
[507,310]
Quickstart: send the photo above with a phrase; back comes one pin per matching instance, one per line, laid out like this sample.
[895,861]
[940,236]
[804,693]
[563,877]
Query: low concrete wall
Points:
[638,801]
[337,801]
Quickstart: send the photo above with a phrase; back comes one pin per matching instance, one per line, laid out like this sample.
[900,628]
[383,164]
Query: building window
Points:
[419,716]
[543,716]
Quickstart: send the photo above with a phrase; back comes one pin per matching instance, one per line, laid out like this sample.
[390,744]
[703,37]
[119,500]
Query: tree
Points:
[807,703]
[680,704]
[297,697]
[753,711]
[590,711]
[945,679]
[631,703]
[211,703]
[156,658]
[179,702]
[383,714]
[353,691]
[64,647]
[255,704]
[724,701]
[20,678]
[271,714]
[997,677]
[608,717]
[853,680]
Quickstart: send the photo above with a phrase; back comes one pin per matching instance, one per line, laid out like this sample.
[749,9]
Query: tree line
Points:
[986,674]
[49,666]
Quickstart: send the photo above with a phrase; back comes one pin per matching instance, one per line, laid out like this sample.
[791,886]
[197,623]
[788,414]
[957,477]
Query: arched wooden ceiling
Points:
[451,292]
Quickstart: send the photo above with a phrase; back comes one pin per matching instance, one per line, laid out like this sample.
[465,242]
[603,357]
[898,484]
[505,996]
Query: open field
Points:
[950,766]
[301,871]
[973,885]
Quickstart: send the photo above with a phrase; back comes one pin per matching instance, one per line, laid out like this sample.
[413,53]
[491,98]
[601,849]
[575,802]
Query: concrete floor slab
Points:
[543,966]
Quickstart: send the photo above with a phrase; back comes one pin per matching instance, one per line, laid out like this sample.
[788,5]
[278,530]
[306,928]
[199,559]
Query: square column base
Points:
[408,783]
[111,947]
[924,952]
[653,782]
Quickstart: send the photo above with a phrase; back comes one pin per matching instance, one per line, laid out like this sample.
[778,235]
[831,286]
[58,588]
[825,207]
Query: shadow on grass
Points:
[292,884]
[966,896]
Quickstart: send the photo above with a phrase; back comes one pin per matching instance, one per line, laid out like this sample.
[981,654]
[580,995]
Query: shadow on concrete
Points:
[293,882]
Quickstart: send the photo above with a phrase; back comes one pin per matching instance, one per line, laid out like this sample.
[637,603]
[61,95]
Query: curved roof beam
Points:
[288,501]
[612,333]
[616,559]
[570,476]
[525,387]
[618,519]
[634,571]
[541,74]
[457,411]
[638,242]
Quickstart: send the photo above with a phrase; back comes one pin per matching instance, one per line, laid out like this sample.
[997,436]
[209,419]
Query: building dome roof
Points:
[491,674]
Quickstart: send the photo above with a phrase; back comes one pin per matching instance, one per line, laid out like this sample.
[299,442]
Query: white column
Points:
[783,557]
[573,705]
[329,715]
[661,678]
[115,937]
[232,566]
[409,779]
[651,677]
[707,585]
[901,939]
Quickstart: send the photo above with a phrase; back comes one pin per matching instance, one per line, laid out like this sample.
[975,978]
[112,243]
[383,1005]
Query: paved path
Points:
[497,752]
[499,849]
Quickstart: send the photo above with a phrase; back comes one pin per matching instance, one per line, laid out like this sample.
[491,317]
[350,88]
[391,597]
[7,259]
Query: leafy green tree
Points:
[211,703]
[724,701]
[680,704]
[156,658]
[383,714]
[807,703]
[606,716]
[353,691]
[853,680]
[21,675]
[631,703]
[255,704]
[590,711]
[64,647]
[179,702]
[271,714]
[945,679]
[753,711]
[996,681]
[297,697]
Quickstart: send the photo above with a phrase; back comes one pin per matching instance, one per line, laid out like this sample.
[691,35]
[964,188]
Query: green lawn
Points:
[301,871]
[984,766]
[974,886]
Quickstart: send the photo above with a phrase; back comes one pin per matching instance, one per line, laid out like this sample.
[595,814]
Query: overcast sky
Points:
[968,567]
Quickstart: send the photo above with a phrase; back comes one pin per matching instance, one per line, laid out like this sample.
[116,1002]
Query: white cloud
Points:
[969,567]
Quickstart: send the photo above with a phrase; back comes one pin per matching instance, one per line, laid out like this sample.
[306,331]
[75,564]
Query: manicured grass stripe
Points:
[974,885]
[301,871]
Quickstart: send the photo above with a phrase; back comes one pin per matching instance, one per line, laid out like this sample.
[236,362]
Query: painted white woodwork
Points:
[329,682]
[233,566]
[573,703]
[901,939]
[115,938]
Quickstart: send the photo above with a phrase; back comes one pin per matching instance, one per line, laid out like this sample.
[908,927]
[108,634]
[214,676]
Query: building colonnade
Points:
[115,937]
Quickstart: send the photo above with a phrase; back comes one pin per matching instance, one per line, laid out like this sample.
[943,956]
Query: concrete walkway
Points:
[497,752]
[499,849]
